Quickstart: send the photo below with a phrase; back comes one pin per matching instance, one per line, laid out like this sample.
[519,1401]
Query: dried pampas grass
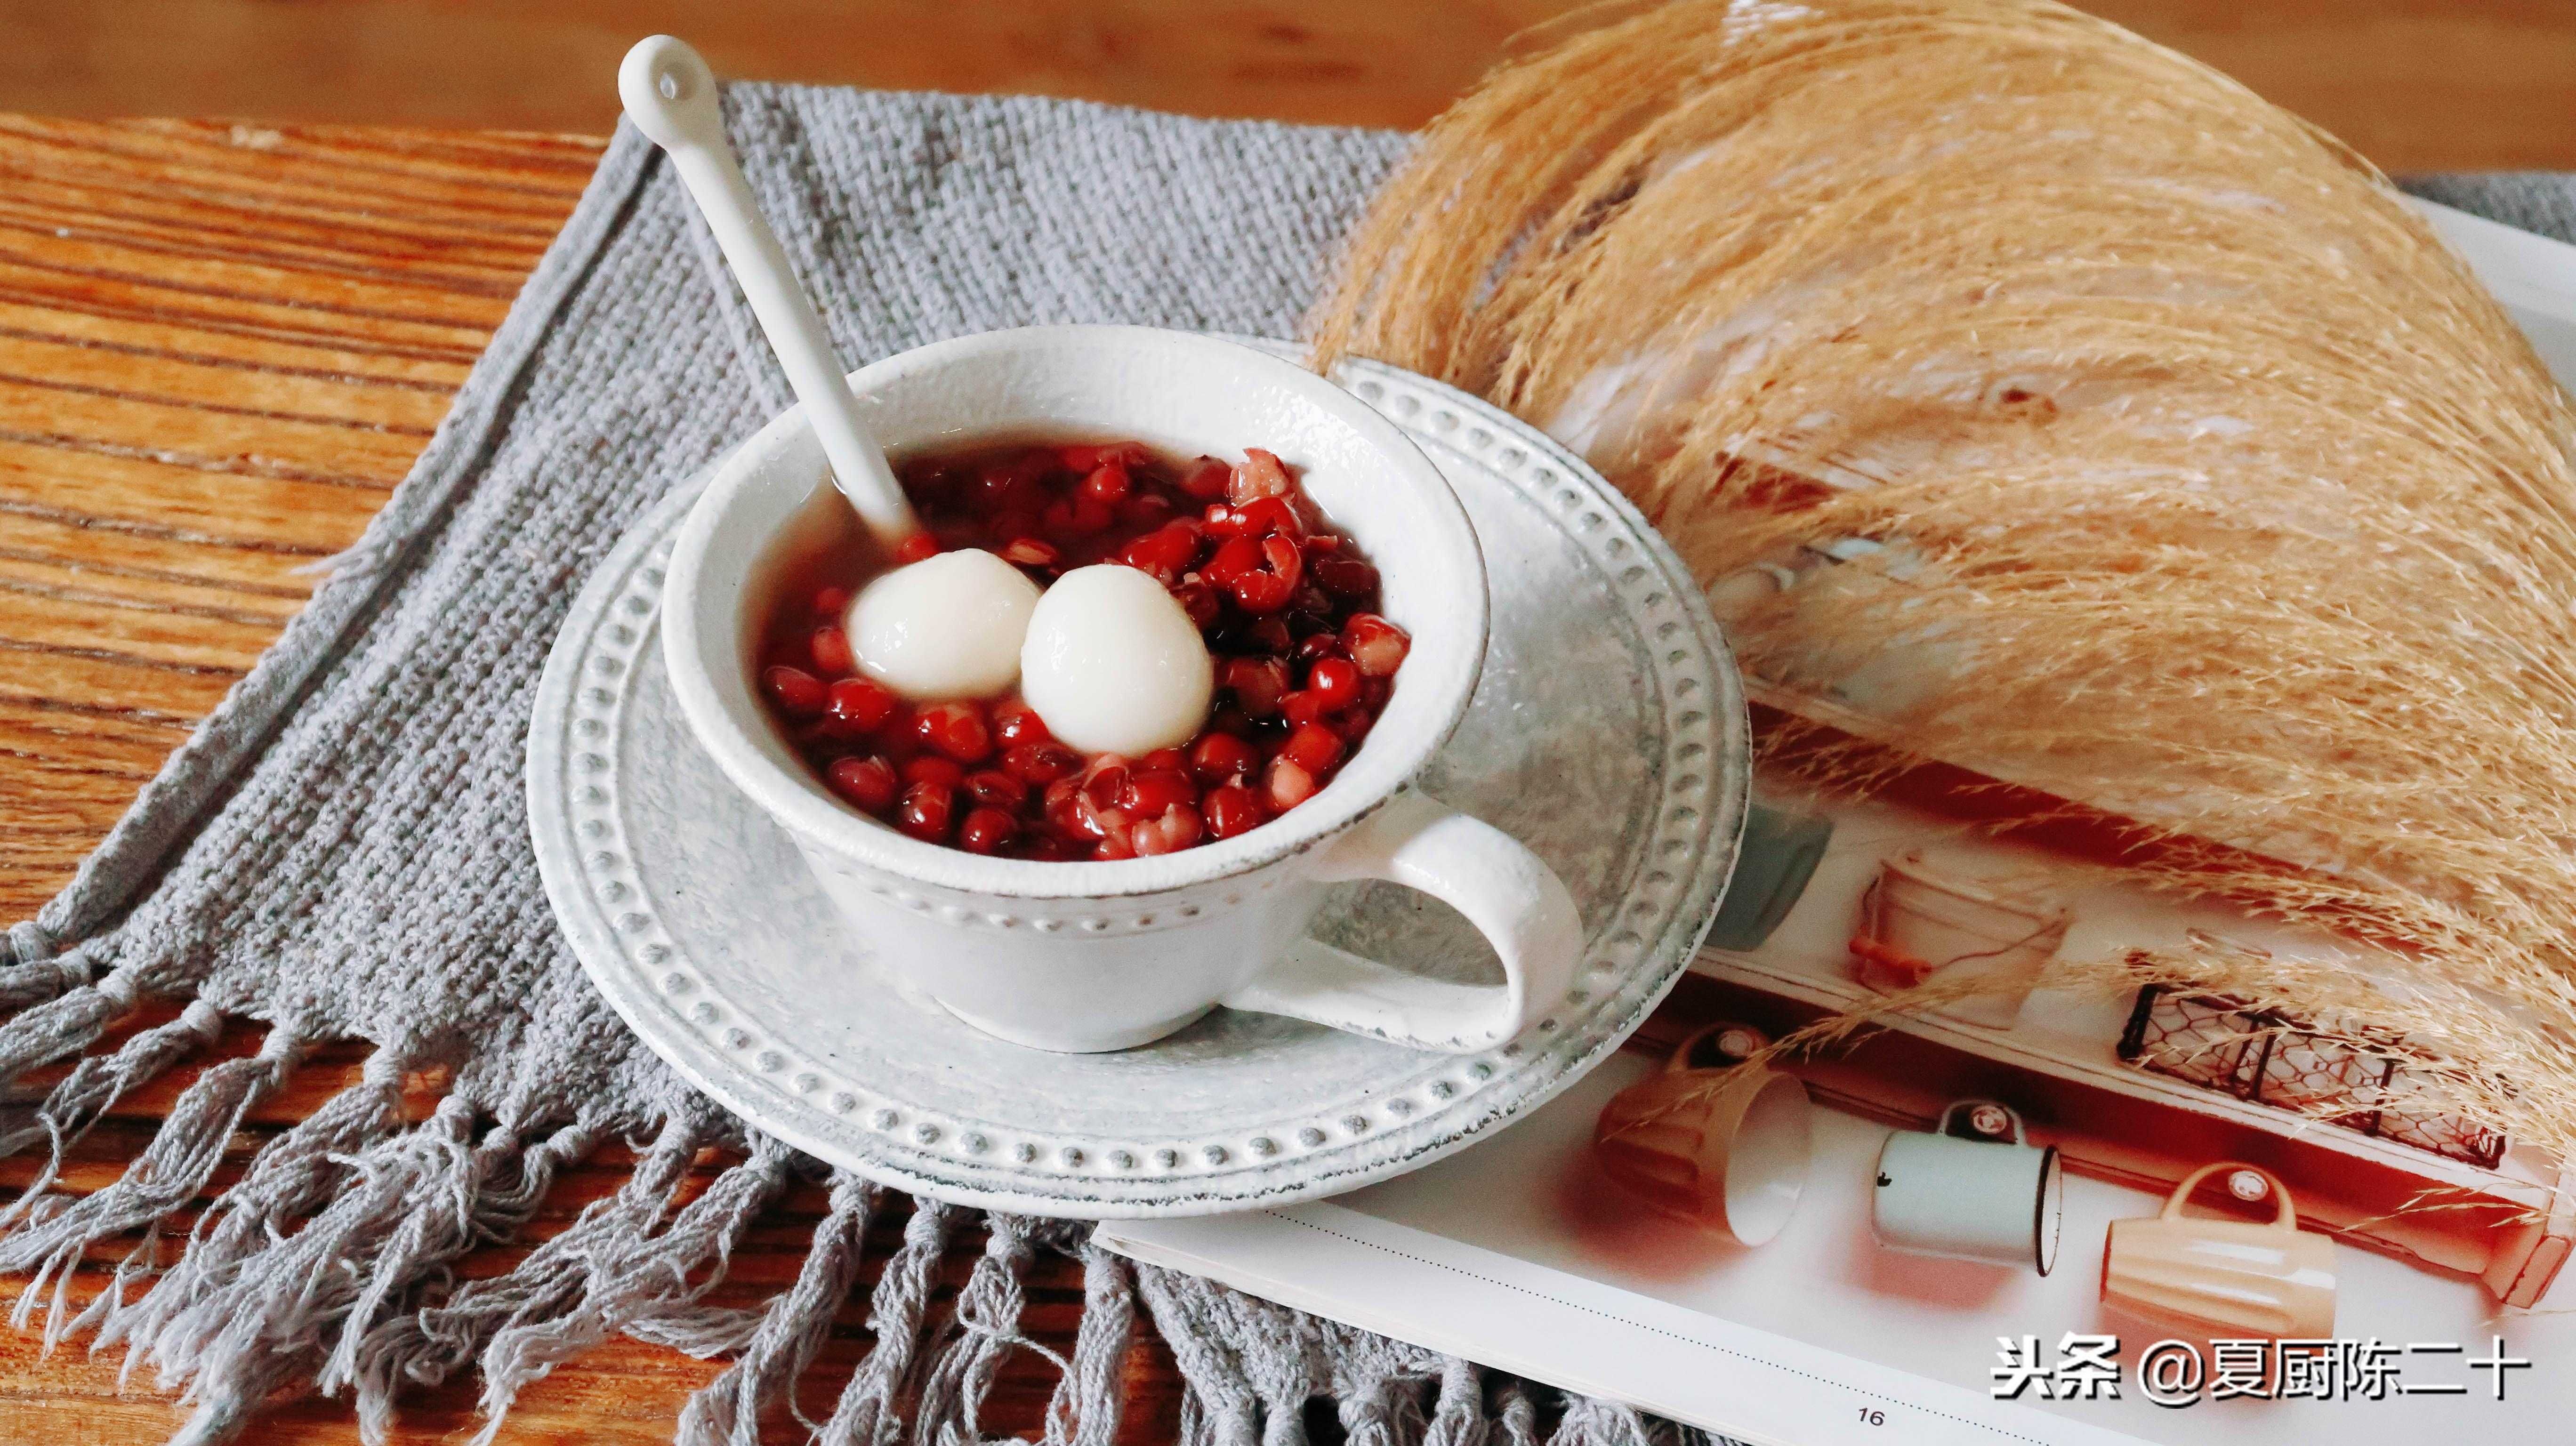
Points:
[2215,493]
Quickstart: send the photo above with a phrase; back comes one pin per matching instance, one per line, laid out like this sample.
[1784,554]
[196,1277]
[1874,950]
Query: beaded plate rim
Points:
[1411,1117]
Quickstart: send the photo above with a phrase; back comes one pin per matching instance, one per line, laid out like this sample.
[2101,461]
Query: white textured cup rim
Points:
[702,674]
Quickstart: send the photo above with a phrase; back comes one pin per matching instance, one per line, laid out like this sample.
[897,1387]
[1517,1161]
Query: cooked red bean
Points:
[1377,645]
[1335,681]
[1222,758]
[798,692]
[1038,764]
[1205,479]
[832,651]
[1108,482]
[1015,722]
[1304,663]
[1290,783]
[861,703]
[1152,793]
[933,768]
[986,830]
[1257,684]
[1259,474]
[996,789]
[925,811]
[1177,828]
[869,783]
[1313,747]
[956,729]
[1231,810]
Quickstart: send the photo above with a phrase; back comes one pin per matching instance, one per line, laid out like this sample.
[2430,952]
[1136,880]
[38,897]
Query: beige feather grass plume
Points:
[2217,495]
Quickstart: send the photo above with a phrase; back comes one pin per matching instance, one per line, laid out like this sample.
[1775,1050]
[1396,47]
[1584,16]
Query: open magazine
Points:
[2095,1210]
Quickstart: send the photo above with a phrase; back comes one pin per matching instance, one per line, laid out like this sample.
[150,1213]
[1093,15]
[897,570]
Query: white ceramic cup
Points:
[1995,1198]
[1105,955]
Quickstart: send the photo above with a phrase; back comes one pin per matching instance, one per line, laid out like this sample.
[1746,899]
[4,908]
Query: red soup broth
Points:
[1288,608]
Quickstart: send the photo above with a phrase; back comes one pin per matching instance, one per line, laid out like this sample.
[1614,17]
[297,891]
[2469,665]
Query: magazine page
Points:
[2067,1218]
[1535,1252]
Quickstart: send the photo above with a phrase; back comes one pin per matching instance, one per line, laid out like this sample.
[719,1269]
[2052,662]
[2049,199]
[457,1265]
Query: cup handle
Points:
[1752,1040]
[2285,1216]
[1516,901]
[2014,1115]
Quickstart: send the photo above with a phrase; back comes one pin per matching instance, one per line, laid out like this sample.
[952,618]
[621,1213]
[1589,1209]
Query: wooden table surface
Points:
[2416,84]
[220,348]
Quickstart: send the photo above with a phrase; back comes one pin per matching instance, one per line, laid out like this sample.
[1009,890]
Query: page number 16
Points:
[1872,1416]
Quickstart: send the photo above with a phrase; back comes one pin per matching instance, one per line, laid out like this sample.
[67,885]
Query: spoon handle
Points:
[670,94]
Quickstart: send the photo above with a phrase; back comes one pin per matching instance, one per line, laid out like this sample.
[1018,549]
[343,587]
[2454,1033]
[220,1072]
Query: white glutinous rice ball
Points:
[945,627]
[1113,665]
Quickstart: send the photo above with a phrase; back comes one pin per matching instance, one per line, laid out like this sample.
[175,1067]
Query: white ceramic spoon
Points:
[671,95]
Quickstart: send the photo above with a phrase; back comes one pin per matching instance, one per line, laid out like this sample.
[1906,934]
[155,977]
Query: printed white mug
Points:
[1985,1195]
[1105,955]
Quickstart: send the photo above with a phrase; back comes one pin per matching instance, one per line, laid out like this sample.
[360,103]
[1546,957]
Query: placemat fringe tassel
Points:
[163,1179]
[632,1280]
[426,1345]
[1089,1400]
[727,1410]
[78,1100]
[983,1329]
[70,1018]
[870,1411]
[271,1321]
[288,1180]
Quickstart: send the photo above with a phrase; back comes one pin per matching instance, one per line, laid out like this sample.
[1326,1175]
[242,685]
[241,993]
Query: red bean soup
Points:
[1288,608]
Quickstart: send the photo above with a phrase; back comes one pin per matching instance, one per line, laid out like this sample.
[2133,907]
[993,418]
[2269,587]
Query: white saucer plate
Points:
[1608,734]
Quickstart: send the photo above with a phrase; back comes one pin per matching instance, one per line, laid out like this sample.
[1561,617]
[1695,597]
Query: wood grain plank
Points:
[88,739]
[415,187]
[95,623]
[151,563]
[143,281]
[40,674]
[208,318]
[219,350]
[2416,84]
[161,375]
[210,512]
[110,335]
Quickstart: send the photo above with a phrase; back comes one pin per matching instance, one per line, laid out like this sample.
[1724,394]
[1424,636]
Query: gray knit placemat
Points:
[341,851]
[2541,201]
